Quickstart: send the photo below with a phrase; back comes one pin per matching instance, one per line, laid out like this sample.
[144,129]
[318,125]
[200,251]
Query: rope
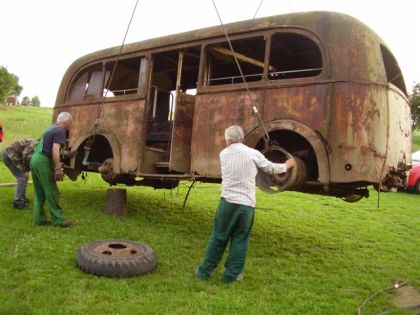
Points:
[254,108]
[96,124]
[397,285]
[186,196]
[259,6]
[233,51]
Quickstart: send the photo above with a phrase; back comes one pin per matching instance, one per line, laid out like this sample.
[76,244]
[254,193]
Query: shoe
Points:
[66,223]
[198,276]
[20,205]
[239,278]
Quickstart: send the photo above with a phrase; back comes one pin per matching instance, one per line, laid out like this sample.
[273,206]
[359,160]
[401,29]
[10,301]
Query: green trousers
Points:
[233,222]
[46,190]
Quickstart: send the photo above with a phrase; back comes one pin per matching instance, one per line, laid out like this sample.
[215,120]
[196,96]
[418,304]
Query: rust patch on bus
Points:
[214,113]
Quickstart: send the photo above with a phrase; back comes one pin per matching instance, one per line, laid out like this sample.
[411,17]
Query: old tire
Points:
[352,198]
[116,258]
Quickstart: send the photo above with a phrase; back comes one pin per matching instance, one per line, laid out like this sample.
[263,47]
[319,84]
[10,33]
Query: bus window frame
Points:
[77,74]
[141,90]
[265,82]
[309,35]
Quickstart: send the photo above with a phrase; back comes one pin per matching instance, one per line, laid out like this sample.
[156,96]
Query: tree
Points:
[18,88]
[9,84]
[35,101]
[414,98]
[25,101]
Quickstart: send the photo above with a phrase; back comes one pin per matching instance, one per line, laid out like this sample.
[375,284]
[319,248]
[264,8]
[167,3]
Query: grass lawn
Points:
[308,254]
[416,140]
[22,122]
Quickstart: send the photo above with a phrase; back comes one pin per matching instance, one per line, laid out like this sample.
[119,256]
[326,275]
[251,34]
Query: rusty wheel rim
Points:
[117,249]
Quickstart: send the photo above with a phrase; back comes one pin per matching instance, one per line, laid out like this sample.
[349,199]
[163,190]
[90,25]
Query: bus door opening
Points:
[171,107]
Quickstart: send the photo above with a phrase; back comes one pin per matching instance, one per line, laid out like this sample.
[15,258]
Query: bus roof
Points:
[318,22]
[351,46]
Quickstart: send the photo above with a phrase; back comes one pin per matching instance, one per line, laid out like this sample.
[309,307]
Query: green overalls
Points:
[233,222]
[46,190]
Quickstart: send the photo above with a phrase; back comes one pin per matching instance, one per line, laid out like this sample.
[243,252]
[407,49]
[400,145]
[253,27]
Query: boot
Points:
[66,223]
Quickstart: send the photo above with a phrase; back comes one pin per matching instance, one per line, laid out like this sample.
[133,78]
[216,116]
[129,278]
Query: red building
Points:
[12,100]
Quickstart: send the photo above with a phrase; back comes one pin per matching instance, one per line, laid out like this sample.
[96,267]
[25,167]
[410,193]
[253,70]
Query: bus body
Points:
[327,89]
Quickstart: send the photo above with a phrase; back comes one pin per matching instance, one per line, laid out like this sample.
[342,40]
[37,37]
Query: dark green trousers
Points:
[233,222]
[46,190]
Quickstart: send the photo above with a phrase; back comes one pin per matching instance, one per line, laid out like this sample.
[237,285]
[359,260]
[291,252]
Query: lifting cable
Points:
[254,108]
[94,130]
[259,6]
[93,133]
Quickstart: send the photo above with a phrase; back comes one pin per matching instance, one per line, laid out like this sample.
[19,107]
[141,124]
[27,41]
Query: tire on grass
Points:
[116,258]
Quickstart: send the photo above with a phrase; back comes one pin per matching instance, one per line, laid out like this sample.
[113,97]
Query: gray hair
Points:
[63,117]
[234,134]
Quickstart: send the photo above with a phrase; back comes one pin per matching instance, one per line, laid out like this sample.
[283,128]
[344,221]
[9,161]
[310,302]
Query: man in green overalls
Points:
[47,170]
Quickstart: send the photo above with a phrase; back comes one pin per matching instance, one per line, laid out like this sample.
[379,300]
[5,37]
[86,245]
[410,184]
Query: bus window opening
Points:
[293,56]
[221,65]
[392,70]
[125,80]
[87,84]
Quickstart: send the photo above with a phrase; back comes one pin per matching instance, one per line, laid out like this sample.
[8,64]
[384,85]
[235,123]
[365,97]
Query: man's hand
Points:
[70,154]
[58,175]
[290,163]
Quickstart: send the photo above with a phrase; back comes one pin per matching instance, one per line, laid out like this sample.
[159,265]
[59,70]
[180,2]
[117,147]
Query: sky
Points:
[41,38]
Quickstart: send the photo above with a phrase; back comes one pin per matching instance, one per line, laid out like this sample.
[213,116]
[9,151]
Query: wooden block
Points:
[116,201]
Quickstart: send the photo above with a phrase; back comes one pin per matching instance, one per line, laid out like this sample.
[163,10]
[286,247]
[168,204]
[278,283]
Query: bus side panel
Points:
[125,120]
[399,140]
[212,115]
[307,104]
[358,133]
[129,119]
[83,118]
[180,157]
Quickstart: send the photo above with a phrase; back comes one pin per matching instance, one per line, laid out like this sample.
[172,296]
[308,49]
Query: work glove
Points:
[58,175]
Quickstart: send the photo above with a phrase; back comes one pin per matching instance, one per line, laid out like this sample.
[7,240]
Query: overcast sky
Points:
[41,38]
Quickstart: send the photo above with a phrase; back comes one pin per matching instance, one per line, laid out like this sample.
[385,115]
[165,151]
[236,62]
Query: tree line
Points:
[9,86]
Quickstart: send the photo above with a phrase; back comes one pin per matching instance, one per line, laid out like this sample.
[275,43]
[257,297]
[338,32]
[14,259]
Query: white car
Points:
[416,156]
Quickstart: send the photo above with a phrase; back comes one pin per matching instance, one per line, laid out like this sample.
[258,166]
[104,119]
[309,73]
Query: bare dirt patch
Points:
[408,297]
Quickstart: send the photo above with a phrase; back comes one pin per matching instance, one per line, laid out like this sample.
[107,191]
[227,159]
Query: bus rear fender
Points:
[295,137]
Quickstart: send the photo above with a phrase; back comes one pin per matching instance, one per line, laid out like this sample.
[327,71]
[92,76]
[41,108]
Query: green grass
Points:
[308,254]
[21,122]
[416,140]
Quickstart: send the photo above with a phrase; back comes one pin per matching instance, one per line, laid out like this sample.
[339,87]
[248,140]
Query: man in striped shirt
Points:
[235,213]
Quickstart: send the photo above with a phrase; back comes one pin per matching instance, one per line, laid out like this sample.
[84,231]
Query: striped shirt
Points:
[240,165]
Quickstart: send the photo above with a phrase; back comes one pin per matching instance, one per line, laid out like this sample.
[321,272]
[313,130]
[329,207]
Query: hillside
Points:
[21,122]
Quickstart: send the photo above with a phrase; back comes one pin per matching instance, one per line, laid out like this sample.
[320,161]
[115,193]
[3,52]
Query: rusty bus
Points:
[327,89]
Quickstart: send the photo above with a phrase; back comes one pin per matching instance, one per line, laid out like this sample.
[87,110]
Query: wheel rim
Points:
[117,249]
[290,180]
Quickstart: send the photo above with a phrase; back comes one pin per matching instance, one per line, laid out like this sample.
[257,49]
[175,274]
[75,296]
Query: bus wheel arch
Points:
[299,130]
[105,146]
